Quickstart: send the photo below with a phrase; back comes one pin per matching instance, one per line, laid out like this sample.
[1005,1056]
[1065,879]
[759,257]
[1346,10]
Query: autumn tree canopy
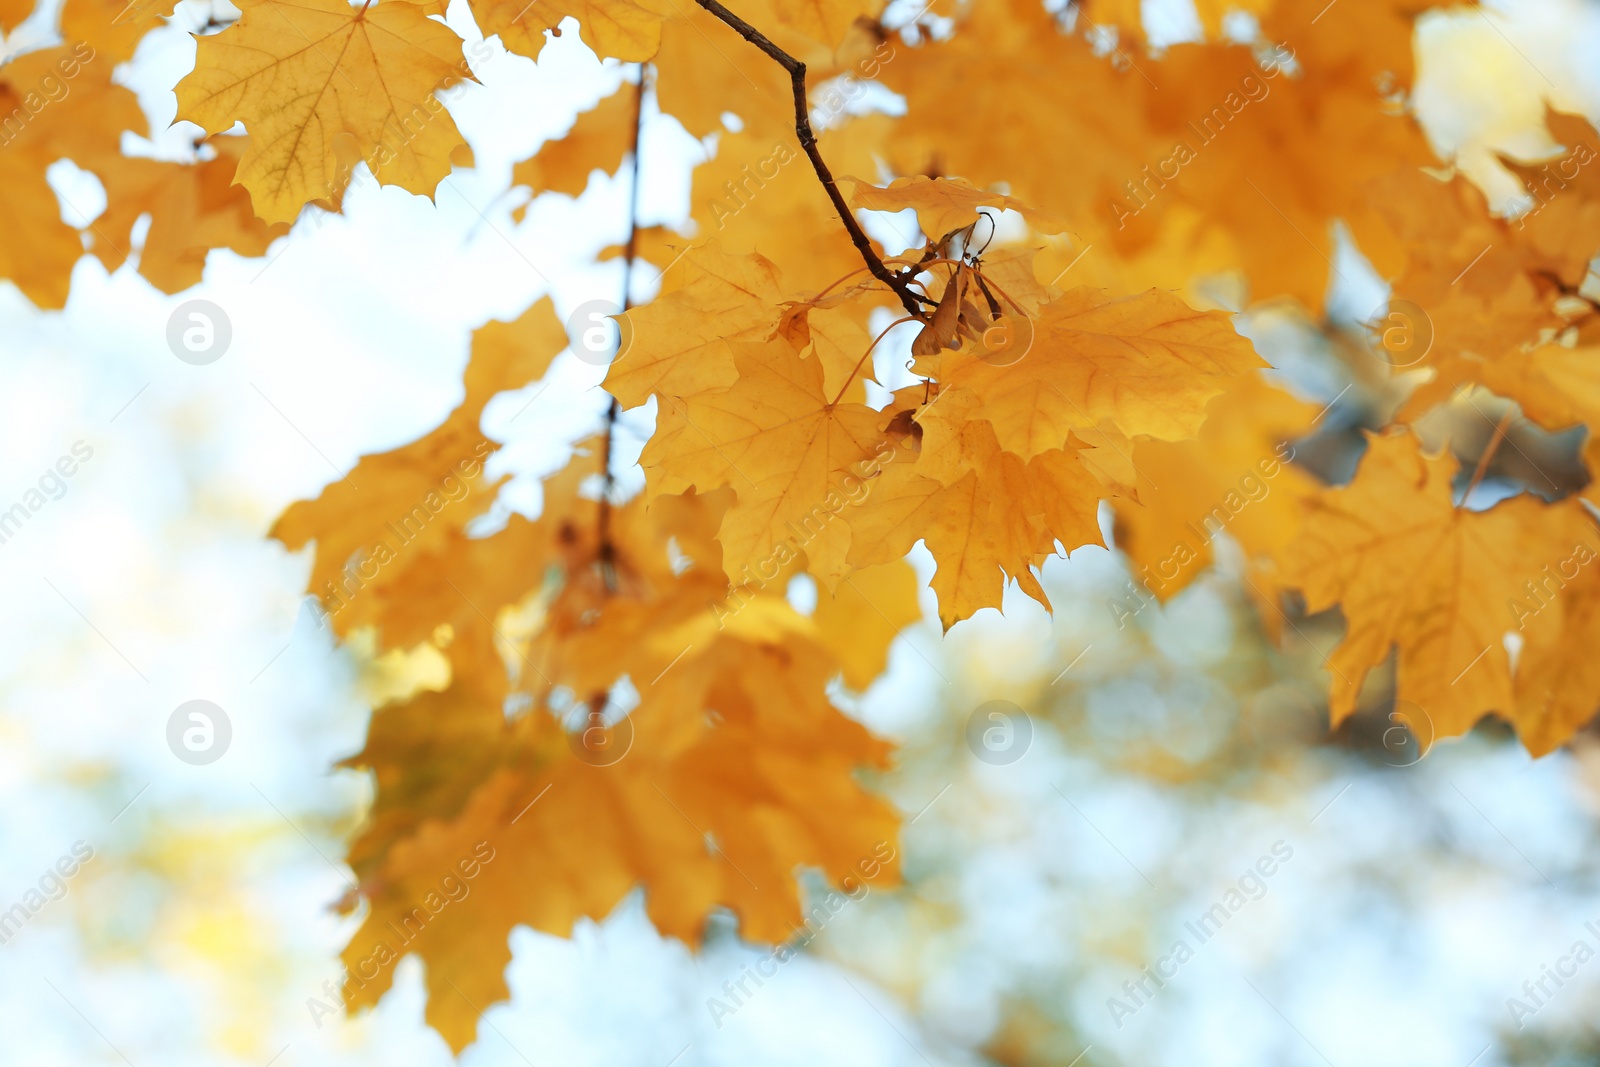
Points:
[960,274]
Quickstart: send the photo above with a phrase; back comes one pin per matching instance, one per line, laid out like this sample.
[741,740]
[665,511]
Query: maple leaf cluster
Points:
[633,700]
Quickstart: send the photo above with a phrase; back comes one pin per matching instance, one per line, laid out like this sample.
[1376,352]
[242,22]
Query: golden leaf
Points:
[1414,572]
[193,208]
[600,138]
[322,86]
[615,29]
[793,457]
[943,205]
[406,508]
[1146,364]
[57,103]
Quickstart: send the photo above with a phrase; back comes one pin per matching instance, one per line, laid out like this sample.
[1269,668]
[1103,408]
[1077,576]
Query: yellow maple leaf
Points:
[677,347]
[985,514]
[1236,477]
[1555,385]
[1268,157]
[113,28]
[406,508]
[1367,44]
[793,456]
[1414,572]
[825,21]
[322,86]
[859,618]
[655,244]
[758,193]
[57,103]
[193,208]
[1560,232]
[570,842]
[615,29]
[736,769]
[1146,364]
[1558,674]
[746,82]
[1472,300]
[943,205]
[599,140]
[12,12]
[697,93]
[1098,134]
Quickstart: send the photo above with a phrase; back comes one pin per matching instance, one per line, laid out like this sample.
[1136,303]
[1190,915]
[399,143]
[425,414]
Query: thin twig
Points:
[607,549]
[1488,454]
[808,142]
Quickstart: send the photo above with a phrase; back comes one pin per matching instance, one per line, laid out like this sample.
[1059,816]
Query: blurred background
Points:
[1168,751]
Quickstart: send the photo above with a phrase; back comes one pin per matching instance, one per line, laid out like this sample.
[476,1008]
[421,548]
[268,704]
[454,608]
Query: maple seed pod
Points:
[199,732]
[596,742]
[1402,333]
[199,332]
[599,333]
[1409,737]
[999,733]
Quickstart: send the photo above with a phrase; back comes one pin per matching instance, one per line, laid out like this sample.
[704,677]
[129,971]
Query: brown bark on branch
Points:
[608,551]
[808,142]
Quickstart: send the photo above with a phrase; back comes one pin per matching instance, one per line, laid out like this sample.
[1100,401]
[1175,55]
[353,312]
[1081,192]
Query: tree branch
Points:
[808,142]
[608,550]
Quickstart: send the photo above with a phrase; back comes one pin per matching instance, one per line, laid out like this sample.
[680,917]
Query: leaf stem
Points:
[831,286]
[854,370]
[808,142]
[1488,454]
